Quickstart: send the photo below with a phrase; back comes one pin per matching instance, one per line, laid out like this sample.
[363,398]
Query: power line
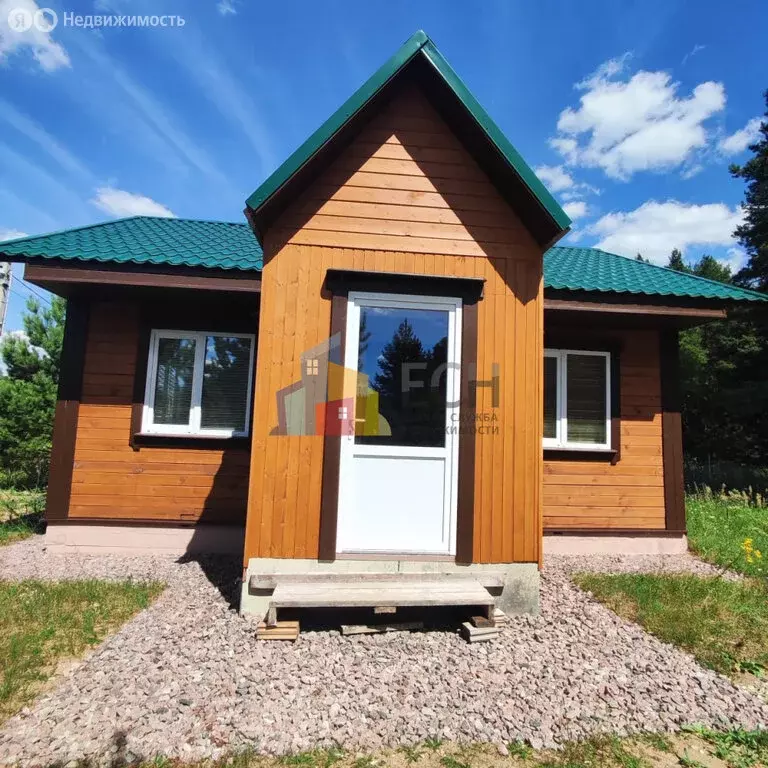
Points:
[24,284]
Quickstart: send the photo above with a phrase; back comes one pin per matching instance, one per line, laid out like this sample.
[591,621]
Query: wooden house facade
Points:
[389,369]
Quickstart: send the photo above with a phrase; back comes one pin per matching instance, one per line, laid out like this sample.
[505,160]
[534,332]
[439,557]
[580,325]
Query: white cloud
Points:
[145,111]
[118,202]
[739,141]
[696,49]
[558,181]
[735,258]
[10,234]
[576,209]
[605,71]
[226,7]
[36,133]
[554,177]
[655,228]
[627,125]
[49,54]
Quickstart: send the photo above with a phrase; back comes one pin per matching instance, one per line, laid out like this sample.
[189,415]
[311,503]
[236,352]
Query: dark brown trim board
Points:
[465,507]
[340,282]
[140,380]
[623,307]
[672,431]
[67,410]
[206,315]
[141,276]
[329,501]
[558,339]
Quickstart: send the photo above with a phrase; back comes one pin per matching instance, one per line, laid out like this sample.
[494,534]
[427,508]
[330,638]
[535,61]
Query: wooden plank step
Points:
[271,580]
[282,630]
[352,594]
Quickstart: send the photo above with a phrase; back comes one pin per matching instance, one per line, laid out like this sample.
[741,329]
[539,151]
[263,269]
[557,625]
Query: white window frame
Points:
[193,427]
[560,441]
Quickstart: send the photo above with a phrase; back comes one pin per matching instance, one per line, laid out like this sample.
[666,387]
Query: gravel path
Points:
[186,678]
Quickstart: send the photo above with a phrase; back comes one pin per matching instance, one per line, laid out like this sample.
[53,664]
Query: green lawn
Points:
[21,514]
[43,624]
[724,624]
[719,527]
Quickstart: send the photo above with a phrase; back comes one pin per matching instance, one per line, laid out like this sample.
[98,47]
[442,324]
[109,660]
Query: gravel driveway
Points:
[186,678]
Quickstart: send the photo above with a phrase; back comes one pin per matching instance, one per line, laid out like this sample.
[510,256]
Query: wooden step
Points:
[268,581]
[376,595]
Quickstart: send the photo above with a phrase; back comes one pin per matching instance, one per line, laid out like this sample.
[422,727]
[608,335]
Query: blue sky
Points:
[631,111]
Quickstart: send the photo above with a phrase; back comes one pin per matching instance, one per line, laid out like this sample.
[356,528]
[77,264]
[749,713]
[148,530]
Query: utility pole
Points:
[5,290]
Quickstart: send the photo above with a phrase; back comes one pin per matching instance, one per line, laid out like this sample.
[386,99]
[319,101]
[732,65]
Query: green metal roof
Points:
[418,44]
[147,240]
[232,246]
[590,269]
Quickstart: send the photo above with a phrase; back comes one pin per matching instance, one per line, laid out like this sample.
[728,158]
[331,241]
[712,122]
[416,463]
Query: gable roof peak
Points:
[490,147]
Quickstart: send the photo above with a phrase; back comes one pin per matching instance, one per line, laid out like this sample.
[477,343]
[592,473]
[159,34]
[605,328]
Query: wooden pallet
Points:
[282,630]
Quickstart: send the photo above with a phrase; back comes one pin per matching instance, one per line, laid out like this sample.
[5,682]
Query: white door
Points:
[399,465]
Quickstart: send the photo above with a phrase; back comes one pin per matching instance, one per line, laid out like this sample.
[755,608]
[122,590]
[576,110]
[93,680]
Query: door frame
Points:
[453,305]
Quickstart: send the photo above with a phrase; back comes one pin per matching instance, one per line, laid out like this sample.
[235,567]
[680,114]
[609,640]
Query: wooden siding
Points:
[630,494]
[111,480]
[404,197]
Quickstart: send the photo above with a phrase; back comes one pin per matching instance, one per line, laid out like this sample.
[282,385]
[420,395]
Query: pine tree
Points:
[709,267]
[753,233]
[676,261]
[405,347]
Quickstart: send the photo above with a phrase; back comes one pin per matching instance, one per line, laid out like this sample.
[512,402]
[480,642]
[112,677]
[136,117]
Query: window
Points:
[198,384]
[577,408]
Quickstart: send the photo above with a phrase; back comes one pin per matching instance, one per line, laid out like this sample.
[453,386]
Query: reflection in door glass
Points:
[403,353]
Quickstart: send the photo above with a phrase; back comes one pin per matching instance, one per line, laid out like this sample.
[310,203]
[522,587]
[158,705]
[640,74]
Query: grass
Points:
[738,748]
[697,746]
[720,524]
[724,624]
[21,514]
[43,624]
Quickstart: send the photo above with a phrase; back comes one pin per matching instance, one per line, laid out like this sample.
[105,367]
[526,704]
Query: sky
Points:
[630,112]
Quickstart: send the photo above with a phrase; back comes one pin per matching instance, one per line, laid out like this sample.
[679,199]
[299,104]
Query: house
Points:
[389,369]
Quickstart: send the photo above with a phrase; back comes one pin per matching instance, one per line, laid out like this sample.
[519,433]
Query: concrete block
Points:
[520,593]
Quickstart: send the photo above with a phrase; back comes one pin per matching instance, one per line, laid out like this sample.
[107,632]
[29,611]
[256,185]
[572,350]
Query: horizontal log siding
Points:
[111,480]
[405,197]
[629,494]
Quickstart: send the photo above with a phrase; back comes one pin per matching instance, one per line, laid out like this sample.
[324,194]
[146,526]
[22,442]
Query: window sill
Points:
[581,454]
[154,440]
